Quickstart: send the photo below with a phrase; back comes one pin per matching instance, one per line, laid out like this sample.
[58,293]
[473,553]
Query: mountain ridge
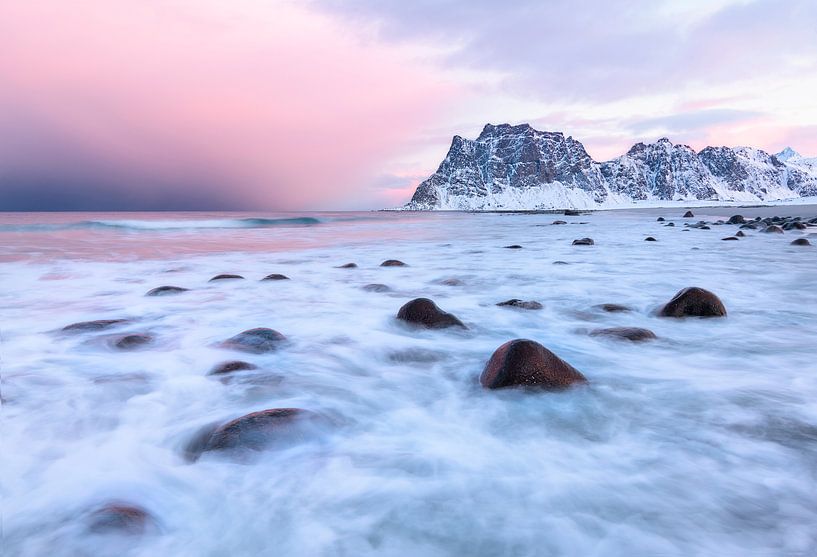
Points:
[516,167]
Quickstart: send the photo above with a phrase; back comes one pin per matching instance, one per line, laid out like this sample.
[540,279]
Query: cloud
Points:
[197,104]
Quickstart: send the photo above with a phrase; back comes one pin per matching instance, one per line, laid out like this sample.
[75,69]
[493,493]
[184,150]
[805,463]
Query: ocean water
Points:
[700,443]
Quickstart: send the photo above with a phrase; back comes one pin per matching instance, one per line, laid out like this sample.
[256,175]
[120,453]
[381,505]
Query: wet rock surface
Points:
[583,242]
[613,308]
[650,239]
[97,325]
[348,266]
[633,334]
[232,366]
[376,288]
[166,291]
[393,263]
[525,363]
[276,276]
[422,312]
[225,277]
[257,341]
[522,304]
[801,242]
[694,302]
[120,518]
[133,341]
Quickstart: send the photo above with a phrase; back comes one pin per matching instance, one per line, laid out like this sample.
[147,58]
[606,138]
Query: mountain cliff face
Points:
[517,167]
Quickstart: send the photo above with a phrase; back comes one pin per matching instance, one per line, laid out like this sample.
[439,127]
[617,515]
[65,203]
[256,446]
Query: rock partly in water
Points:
[583,242]
[275,276]
[736,219]
[773,229]
[801,242]
[729,238]
[232,366]
[423,312]
[660,219]
[376,288]
[513,246]
[133,341]
[559,222]
[561,263]
[120,518]
[740,234]
[688,215]
[225,277]
[97,325]
[393,263]
[166,291]
[348,266]
[613,308]
[694,302]
[452,282]
[634,334]
[525,363]
[572,213]
[522,304]
[257,341]
[650,239]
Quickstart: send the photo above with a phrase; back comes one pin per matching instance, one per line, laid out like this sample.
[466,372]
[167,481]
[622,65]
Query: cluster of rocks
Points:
[768,225]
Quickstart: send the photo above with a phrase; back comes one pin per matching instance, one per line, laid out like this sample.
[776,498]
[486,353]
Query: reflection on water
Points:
[699,443]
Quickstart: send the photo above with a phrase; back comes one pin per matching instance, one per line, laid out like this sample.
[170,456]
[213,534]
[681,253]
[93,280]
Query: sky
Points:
[330,104]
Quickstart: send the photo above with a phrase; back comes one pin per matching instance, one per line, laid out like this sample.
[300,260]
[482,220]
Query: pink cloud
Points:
[274,104]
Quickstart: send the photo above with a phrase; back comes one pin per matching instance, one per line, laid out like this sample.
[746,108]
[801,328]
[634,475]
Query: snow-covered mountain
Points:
[518,167]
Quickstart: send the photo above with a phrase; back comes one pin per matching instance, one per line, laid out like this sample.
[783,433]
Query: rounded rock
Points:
[97,325]
[133,341]
[393,263]
[688,215]
[694,302]
[801,242]
[275,276]
[522,304]
[583,242]
[376,288]
[423,312]
[348,266]
[225,277]
[613,308]
[166,291]
[525,363]
[120,518]
[773,229]
[257,341]
[729,238]
[232,366]
[634,334]
[650,239]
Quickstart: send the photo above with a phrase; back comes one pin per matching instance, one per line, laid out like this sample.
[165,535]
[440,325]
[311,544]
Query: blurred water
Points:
[703,442]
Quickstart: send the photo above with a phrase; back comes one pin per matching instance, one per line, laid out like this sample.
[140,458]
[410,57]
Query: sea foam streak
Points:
[700,443]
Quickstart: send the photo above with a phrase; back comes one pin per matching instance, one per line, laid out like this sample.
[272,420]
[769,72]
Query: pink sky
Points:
[283,105]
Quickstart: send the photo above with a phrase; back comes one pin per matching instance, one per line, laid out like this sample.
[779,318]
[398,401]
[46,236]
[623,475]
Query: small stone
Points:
[526,363]
[348,266]
[166,291]
[613,308]
[670,224]
[257,341]
[740,234]
[559,222]
[231,366]
[513,246]
[225,277]
[98,325]
[650,239]
[583,242]
[561,263]
[120,518]
[801,242]
[133,341]
[688,215]
[694,301]
[376,288]
[393,263]
[514,302]
[736,219]
[452,282]
[729,238]
[423,312]
[634,334]
[275,276]
[660,219]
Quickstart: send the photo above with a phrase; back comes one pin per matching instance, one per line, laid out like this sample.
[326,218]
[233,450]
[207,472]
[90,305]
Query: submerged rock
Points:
[694,302]
[376,288]
[121,518]
[225,277]
[452,282]
[613,308]
[423,312]
[232,366]
[729,238]
[393,263]
[275,276]
[583,242]
[132,341]
[559,222]
[740,234]
[513,246]
[561,263]
[166,291]
[97,325]
[258,341]
[348,266]
[517,303]
[526,363]
[801,242]
[256,432]
[634,334]
[773,229]
[670,224]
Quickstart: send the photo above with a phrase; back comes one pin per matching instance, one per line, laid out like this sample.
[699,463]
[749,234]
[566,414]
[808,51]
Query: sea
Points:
[702,442]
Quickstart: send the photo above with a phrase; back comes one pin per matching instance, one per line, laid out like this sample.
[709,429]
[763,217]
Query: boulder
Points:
[801,242]
[166,291]
[275,276]
[729,238]
[740,234]
[736,219]
[423,312]
[650,239]
[634,334]
[97,325]
[670,224]
[561,263]
[393,263]
[120,518]
[132,341]
[232,366]
[694,302]
[660,219]
[559,222]
[583,242]
[257,341]
[613,308]
[348,266]
[572,213]
[525,363]
[513,246]
[514,302]
[688,215]
[376,288]
[225,277]
[773,229]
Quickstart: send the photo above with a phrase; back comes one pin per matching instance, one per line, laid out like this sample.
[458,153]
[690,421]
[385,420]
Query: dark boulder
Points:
[348,266]
[634,334]
[514,302]
[98,325]
[423,312]
[740,234]
[132,341]
[801,242]
[583,242]
[773,229]
[794,226]
[704,227]
[257,341]
[650,239]
[613,308]
[513,246]
[748,226]
[660,219]
[232,366]
[670,224]
[452,282]
[393,263]
[526,363]
[559,222]
[376,288]
[120,518]
[561,263]
[275,276]
[729,238]
[166,291]
[225,277]
[694,302]
[688,215]
[736,219]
